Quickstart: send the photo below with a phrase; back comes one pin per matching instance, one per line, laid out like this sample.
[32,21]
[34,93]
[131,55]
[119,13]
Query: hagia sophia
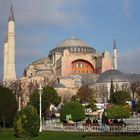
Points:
[72,63]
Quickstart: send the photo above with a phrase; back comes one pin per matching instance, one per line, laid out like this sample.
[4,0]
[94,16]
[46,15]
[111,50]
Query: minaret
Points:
[10,70]
[115,54]
[5,58]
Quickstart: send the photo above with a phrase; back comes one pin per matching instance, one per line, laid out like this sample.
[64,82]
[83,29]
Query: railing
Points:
[86,128]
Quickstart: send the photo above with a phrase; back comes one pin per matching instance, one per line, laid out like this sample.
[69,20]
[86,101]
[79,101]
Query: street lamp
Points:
[19,103]
[40,112]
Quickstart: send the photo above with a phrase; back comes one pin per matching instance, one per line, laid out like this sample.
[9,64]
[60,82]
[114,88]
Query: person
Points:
[115,122]
[110,122]
[122,123]
[88,120]
[95,121]
[104,119]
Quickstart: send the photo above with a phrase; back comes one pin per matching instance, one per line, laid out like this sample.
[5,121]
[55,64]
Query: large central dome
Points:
[73,42]
[74,45]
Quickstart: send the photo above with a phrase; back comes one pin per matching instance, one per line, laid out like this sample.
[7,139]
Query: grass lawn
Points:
[48,135]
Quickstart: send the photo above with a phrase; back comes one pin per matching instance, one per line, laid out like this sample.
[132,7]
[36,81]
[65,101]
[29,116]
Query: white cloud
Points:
[129,61]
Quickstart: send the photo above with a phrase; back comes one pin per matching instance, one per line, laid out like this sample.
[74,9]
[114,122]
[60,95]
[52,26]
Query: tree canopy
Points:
[120,97]
[8,106]
[49,96]
[73,108]
[117,112]
[85,94]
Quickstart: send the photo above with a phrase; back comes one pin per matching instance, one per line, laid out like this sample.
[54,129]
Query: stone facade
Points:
[69,59]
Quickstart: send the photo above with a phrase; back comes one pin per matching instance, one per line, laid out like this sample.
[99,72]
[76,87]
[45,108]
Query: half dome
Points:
[116,75]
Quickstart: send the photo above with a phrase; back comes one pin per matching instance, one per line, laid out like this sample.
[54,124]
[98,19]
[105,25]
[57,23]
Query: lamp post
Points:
[19,103]
[40,111]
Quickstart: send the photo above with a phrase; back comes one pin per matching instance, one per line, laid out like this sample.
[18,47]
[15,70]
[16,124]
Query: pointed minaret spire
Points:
[114,44]
[115,54]
[11,15]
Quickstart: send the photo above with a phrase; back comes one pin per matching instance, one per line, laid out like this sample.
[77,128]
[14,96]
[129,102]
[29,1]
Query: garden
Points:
[25,123]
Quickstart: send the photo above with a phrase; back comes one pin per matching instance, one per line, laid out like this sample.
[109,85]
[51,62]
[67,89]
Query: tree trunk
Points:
[3,120]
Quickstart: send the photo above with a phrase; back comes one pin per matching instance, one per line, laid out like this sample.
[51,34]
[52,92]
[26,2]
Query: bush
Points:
[73,108]
[117,112]
[26,122]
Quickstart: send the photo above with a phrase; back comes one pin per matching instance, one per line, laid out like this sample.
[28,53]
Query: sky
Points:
[42,24]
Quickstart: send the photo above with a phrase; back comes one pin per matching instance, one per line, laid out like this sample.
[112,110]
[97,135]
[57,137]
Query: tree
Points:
[117,112]
[73,108]
[135,88]
[26,122]
[85,94]
[8,106]
[49,96]
[111,88]
[92,106]
[120,97]
[22,88]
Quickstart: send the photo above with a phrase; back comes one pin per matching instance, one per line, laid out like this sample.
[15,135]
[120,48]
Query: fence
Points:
[131,126]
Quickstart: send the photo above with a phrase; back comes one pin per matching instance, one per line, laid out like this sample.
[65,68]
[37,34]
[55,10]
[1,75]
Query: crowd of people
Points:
[110,122]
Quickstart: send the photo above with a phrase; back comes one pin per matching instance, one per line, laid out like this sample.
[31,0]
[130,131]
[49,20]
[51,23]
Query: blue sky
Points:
[42,24]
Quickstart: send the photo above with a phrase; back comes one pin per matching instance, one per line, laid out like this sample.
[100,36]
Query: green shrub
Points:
[73,108]
[117,112]
[26,122]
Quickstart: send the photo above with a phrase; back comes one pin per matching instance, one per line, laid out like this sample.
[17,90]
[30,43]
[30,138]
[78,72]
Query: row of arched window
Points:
[74,49]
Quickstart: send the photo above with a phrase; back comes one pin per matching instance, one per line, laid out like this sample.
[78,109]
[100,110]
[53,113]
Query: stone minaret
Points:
[9,51]
[5,58]
[115,55]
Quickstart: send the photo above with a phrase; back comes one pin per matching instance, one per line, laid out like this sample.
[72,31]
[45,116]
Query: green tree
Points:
[117,112]
[120,97]
[111,88]
[73,108]
[26,122]
[85,94]
[8,106]
[49,96]
[92,106]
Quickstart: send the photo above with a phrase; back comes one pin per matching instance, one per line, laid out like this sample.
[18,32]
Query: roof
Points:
[41,60]
[59,85]
[89,79]
[134,77]
[73,42]
[74,45]
[114,74]
[11,16]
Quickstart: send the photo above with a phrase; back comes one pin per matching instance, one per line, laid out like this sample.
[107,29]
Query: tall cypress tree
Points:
[111,88]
